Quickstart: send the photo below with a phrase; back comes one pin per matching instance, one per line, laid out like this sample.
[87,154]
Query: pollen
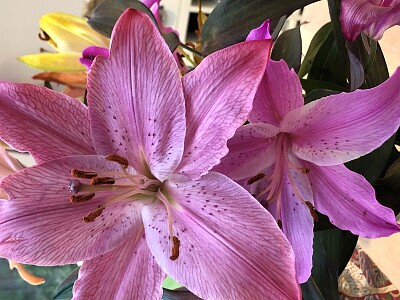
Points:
[102,180]
[305,170]
[83,174]
[118,159]
[255,178]
[81,198]
[176,243]
[94,214]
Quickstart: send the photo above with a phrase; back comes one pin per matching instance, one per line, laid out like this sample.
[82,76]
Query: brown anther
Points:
[118,159]
[94,214]
[83,174]
[305,170]
[81,198]
[44,36]
[102,180]
[279,224]
[313,212]
[175,248]
[255,178]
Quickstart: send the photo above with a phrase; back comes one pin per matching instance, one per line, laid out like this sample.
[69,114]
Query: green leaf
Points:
[179,294]
[328,63]
[170,284]
[312,84]
[318,94]
[231,20]
[316,42]
[288,48]
[64,289]
[332,251]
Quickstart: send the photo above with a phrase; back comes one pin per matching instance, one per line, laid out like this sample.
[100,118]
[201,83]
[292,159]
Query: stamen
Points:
[175,241]
[175,248]
[102,180]
[305,170]
[255,178]
[83,174]
[81,198]
[118,159]
[74,186]
[94,214]
[25,275]
[313,212]
[44,36]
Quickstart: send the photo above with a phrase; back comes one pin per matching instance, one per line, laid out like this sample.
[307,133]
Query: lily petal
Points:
[55,62]
[89,54]
[297,225]
[41,226]
[280,91]
[349,201]
[8,164]
[127,272]
[219,100]
[340,128]
[142,118]
[47,124]
[371,17]
[221,229]
[70,33]
[260,33]
[251,150]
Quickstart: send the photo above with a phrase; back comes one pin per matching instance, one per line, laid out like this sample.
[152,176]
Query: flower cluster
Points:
[156,174]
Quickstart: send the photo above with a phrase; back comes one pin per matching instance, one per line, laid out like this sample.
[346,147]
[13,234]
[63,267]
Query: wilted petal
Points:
[230,246]
[349,202]
[90,53]
[55,62]
[340,128]
[260,33]
[135,98]
[280,91]
[47,124]
[39,224]
[251,150]
[297,225]
[370,17]
[70,33]
[72,79]
[219,95]
[127,272]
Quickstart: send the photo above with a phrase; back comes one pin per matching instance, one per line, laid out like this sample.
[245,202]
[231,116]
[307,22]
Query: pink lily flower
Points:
[152,206]
[373,17]
[291,157]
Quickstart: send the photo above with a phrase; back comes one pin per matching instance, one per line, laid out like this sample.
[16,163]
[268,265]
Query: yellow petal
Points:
[55,62]
[25,275]
[70,33]
[72,79]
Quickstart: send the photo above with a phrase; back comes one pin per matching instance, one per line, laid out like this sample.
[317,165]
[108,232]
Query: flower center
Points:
[123,186]
[283,168]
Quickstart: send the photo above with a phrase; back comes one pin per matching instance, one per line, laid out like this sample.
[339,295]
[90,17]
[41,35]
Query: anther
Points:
[83,174]
[74,186]
[81,198]
[305,170]
[94,214]
[255,178]
[313,212]
[118,159]
[102,180]
[44,36]
[175,248]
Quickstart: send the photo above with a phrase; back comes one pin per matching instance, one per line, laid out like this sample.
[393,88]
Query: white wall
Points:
[19,28]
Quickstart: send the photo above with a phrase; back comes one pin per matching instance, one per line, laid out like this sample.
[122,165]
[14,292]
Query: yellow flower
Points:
[68,35]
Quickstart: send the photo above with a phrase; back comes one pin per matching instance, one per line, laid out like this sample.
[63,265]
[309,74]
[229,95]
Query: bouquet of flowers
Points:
[234,166]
